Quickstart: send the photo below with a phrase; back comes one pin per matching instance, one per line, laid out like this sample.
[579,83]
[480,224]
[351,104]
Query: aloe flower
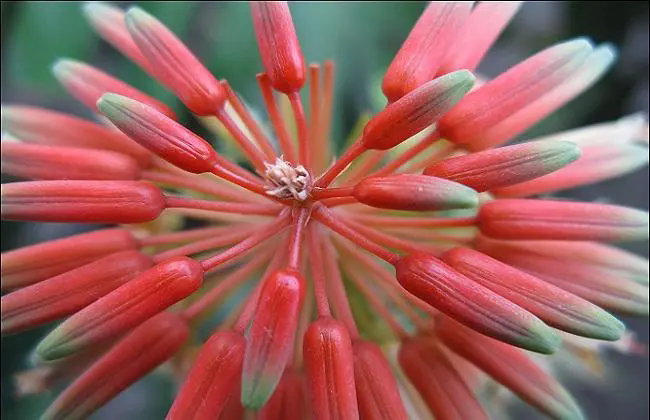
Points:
[397,280]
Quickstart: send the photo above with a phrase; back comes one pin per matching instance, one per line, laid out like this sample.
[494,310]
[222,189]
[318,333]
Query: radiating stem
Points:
[299,220]
[206,244]
[420,222]
[197,184]
[319,194]
[341,163]
[322,144]
[280,129]
[314,117]
[337,291]
[301,123]
[221,206]
[254,154]
[318,272]
[408,154]
[188,235]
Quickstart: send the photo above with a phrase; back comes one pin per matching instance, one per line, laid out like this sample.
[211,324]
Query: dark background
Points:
[362,38]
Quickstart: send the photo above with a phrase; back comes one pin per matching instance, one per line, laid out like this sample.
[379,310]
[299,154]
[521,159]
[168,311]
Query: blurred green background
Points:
[361,37]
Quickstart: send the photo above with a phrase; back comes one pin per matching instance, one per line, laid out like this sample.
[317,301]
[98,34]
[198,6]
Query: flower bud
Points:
[327,351]
[124,308]
[35,161]
[377,393]
[31,264]
[414,192]
[212,380]
[142,350]
[416,111]
[82,201]
[551,304]
[158,133]
[69,292]
[42,126]
[278,45]
[271,336]
[288,400]
[421,55]
[510,367]
[506,166]
[88,84]
[174,65]
[468,302]
[436,380]
[540,219]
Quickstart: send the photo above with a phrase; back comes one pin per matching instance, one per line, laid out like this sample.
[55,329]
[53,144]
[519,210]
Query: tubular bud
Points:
[31,264]
[35,161]
[540,219]
[421,54]
[158,133]
[69,292]
[506,166]
[416,111]
[146,347]
[174,65]
[414,192]
[287,402]
[124,308]
[278,45]
[82,201]
[510,367]
[377,393]
[271,336]
[42,126]
[551,304]
[468,302]
[329,365]
[212,380]
[88,84]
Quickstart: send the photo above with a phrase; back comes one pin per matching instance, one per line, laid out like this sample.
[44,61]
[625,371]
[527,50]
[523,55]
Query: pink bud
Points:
[212,380]
[271,336]
[35,161]
[124,308]
[416,111]
[377,392]
[24,266]
[510,367]
[468,302]
[41,126]
[539,219]
[87,84]
[278,45]
[329,365]
[174,65]
[158,133]
[422,53]
[414,192]
[505,166]
[69,292]
[551,304]
[82,201]
[146,347]
[436,380]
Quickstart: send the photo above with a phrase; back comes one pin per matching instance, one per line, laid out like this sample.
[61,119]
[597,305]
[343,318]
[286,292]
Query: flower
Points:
[481,269]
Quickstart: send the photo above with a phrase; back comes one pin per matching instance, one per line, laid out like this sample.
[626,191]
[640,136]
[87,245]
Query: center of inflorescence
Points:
[284,180]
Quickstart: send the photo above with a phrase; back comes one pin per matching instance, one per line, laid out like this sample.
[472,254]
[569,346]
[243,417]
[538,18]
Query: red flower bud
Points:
[271,336]
[539,219]
[158,133]
[42,126]
[288,400]
[329,365]
[30,264]
[124,308]
[422,53]
[174,65]
[510,367]
[551,304]
[414,192]
[146,347]
[436,380]
[416,111]
[278,45]
[35,161]
[69,292]
[468,302]
[377,392]
[87,84]
[505,166]
[212,380]
[82,201]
